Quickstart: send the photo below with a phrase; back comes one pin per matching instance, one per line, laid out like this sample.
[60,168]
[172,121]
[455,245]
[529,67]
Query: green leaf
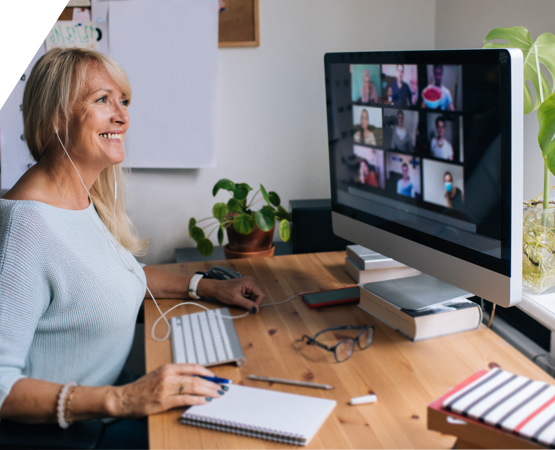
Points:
[265,194]
[235,205]
[205,247]
[546,121]
[220,236]
[519,37]
[224,183]
[244,185]
[265,219]
[197,234]
[240,192]
[284,230]
[244,224]
[283,214]
[274,198]
[192,223]
[220,210]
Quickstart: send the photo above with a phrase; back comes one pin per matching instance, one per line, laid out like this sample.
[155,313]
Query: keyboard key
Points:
[188,340]
[197,338]
[207,338]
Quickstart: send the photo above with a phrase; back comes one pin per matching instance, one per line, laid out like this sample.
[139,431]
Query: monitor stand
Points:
[418,292]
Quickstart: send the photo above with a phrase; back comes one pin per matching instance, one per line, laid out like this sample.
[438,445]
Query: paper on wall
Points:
[72,34]
[169,51]
[81,15]
[14,154]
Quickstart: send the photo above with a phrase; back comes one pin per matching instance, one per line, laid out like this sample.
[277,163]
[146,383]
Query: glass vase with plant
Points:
[539,215]
[237,217]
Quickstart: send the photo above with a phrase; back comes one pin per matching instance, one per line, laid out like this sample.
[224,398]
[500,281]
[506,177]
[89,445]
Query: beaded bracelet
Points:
[61,403]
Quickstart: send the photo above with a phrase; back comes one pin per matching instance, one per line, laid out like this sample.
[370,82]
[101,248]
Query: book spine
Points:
[244,430]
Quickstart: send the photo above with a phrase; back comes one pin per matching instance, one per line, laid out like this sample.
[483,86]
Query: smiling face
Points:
[366,79]
[364,119]
[401,119]
[440,128]
[405,172]
[99,121]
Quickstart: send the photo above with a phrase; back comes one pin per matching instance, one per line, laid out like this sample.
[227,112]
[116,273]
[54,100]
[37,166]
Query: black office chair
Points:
[81,435]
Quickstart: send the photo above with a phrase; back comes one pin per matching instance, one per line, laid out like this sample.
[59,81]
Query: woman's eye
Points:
[125,102]
[102,99]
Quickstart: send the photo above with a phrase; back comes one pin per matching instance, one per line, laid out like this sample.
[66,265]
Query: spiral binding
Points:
[244,429]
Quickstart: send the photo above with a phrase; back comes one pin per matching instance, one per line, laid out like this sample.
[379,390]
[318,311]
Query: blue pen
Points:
[216,380]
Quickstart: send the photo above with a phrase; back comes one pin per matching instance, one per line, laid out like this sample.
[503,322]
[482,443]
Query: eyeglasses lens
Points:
[344,350]
[366,338]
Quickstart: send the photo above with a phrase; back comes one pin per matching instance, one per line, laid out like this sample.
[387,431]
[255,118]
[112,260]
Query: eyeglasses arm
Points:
[311,340]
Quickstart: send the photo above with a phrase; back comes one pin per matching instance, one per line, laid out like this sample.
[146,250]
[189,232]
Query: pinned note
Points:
[72,34]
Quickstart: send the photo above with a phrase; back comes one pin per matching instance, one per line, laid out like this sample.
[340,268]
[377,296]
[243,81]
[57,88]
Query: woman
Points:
[367,175]
[453,196]
[70,287]
[404,185]
[368,91]
[401,139]
[364,135]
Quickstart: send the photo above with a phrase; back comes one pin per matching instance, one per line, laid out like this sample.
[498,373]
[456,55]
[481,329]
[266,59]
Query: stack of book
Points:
[432,317]
[497,409]
[365,265]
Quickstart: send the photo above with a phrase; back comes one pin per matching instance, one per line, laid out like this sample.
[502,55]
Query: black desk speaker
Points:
[312,231]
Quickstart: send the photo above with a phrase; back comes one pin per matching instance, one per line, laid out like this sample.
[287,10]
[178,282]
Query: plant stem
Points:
[252,199]
[545,169]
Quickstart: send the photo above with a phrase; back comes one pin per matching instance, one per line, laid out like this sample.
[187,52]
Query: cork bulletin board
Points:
[238,24]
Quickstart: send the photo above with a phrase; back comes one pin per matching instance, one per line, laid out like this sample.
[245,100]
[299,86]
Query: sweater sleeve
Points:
[24,291]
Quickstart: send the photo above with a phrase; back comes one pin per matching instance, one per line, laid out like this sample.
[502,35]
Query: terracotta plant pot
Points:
[230,254]
[256,244]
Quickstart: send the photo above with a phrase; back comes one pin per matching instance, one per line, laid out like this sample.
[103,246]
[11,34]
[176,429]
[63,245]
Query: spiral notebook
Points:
[261,413]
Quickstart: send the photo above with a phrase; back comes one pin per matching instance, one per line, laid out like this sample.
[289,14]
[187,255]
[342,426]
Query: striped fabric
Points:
[513,403]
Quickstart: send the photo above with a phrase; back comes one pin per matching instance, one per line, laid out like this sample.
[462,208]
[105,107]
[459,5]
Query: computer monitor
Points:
[426,161]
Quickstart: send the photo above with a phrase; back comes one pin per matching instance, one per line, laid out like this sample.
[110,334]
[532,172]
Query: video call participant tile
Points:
[400,82]
[444,88]
[371,166]
[443,184]
[443,133]
[400,128]
[403,174]
[367,125]
[366,88]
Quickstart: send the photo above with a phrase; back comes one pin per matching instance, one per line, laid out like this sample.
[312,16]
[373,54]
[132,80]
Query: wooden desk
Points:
[406,376]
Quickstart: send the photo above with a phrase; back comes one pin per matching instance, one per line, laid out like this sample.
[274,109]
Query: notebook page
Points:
[262,408]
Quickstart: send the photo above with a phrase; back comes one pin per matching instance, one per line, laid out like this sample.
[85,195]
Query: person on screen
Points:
[364,135]
[446,103]
[367,175]
[453,195]
[439,146]
[401,94]
[368,91]
[404,185]
[401,139]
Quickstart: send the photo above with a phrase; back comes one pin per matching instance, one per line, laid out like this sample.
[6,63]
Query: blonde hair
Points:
[56,82]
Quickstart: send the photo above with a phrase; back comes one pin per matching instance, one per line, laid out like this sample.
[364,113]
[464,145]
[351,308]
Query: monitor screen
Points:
[420,147]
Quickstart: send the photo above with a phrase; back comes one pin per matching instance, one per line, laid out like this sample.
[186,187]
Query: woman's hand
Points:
[242,292]
[169,386]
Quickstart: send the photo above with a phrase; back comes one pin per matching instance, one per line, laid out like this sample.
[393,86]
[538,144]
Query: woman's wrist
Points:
[207,288]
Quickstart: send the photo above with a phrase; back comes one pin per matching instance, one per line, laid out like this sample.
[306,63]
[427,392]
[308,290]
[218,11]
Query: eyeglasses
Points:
[343,349]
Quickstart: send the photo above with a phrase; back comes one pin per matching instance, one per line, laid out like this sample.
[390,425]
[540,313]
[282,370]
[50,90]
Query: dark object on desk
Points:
[312,230]
[85,434]
[222,273]
[332,297]
[184,255]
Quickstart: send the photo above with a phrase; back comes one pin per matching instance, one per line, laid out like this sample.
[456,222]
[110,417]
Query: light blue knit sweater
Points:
[68,303]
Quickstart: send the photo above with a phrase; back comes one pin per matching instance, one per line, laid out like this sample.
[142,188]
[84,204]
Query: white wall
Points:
[465,24]
[271,109]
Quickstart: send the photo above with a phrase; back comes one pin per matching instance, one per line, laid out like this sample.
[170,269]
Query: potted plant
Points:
[539,216]
[249,232]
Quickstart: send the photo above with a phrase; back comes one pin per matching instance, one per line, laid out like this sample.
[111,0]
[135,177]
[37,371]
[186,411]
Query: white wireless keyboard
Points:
[206,338]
